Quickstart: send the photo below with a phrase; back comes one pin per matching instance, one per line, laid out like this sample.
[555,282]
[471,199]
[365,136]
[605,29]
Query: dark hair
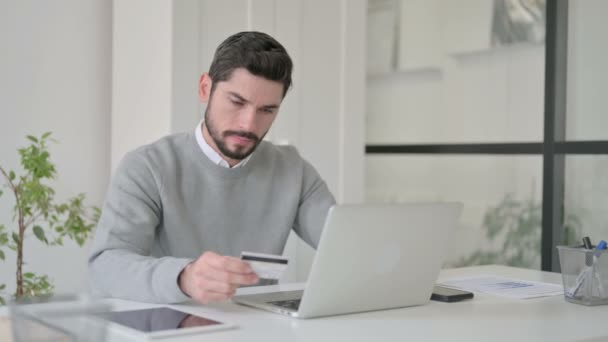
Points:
[257,52]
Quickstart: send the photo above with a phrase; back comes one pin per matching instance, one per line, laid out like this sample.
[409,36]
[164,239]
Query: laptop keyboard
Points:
[291,304]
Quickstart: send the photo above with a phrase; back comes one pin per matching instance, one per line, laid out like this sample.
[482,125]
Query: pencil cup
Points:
[584,274]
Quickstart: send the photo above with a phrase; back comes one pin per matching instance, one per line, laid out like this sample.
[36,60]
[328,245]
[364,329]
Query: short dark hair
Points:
[257,52]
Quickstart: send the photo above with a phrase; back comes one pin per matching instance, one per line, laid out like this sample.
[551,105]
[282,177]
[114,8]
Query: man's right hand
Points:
[213,277]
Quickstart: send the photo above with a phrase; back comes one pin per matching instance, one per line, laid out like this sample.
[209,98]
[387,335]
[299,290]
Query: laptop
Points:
[370,257]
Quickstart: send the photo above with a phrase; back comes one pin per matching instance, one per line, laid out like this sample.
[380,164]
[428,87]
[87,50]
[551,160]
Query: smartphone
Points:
[446,294]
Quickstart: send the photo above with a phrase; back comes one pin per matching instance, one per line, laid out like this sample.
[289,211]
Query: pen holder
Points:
[584,274]
[58,319]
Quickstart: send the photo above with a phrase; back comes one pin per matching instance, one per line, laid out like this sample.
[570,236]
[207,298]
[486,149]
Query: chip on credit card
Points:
[268,266]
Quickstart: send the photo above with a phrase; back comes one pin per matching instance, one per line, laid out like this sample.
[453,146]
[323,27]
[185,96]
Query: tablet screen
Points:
[158,319]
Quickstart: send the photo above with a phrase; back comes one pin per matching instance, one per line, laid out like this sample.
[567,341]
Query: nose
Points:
[247,119]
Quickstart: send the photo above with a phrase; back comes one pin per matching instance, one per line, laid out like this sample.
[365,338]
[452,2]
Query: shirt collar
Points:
[215,157]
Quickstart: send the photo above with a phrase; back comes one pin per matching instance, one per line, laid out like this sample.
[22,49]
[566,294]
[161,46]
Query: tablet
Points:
[163,322]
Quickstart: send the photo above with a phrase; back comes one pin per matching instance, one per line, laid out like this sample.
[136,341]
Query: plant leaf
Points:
[16,238]
[2,302]
[1,257]
[32,138]
[2,287]
[39,232]
[11,176]
[46,135]
[3,237]
[29,275]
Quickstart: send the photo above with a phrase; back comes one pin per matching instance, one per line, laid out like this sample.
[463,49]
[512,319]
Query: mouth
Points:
[242,138]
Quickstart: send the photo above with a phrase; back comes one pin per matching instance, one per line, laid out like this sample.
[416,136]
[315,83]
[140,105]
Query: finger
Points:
[231,278]
[218,286]
[230,264]
[210,297]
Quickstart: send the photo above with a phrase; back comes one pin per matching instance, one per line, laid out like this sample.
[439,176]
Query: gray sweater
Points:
[168,203]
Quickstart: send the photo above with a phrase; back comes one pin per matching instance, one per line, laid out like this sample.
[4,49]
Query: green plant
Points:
[518,225]
[35,212]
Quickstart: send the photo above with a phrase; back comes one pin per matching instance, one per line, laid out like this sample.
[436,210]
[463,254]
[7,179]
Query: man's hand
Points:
[213,277]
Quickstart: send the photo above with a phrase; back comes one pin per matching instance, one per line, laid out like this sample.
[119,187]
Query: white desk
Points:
[485,318]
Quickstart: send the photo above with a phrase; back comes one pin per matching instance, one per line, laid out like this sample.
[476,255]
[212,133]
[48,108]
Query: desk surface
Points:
[485,318]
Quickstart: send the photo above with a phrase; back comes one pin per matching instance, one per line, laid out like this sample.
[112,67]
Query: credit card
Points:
[268,266]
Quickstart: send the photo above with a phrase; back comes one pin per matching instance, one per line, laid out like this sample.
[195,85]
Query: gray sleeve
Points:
[120,264]
[315,201]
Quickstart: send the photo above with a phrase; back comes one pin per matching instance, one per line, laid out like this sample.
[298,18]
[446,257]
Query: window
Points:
[509,123]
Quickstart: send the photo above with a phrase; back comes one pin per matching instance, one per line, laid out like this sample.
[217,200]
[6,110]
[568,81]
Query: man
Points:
[179,211]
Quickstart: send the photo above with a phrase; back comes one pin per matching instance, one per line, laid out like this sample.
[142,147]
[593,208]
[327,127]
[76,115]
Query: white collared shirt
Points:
[215,157]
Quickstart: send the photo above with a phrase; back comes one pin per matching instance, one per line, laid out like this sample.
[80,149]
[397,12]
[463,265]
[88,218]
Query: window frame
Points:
[554,147]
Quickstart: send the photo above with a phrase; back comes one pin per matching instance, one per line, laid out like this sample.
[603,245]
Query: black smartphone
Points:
[446,294]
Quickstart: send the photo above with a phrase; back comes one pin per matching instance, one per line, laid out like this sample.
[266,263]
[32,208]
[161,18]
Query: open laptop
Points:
[370,257]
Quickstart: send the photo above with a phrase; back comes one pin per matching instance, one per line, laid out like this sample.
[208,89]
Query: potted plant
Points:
[36,213]
[516,224]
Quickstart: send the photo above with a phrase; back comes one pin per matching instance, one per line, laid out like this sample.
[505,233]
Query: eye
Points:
[268,110]
[236,102]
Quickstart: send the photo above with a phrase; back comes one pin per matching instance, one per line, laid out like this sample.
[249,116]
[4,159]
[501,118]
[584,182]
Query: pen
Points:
[596,255]
[587,243]
[571,292]
[598,249]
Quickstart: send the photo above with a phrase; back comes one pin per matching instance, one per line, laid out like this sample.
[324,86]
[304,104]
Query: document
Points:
[505,287]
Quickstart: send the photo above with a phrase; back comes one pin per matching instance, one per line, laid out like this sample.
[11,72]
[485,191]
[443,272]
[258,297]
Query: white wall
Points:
[155,71]
[141,74]
[322,115]
[328,90]
[55,76]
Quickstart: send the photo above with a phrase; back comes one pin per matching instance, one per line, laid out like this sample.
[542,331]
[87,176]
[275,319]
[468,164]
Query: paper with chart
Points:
[505,287]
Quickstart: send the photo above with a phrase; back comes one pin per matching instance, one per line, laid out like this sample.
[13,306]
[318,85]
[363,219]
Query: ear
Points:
[204,87]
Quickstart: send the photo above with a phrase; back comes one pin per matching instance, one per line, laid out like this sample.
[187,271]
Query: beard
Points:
[219,138]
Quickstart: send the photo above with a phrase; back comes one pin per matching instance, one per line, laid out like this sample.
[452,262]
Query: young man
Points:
[179,211]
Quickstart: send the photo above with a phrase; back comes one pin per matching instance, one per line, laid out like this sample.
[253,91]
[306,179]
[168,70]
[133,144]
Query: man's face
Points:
[239,112]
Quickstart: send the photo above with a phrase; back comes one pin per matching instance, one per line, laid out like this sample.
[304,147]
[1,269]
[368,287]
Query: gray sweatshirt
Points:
[168,203]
